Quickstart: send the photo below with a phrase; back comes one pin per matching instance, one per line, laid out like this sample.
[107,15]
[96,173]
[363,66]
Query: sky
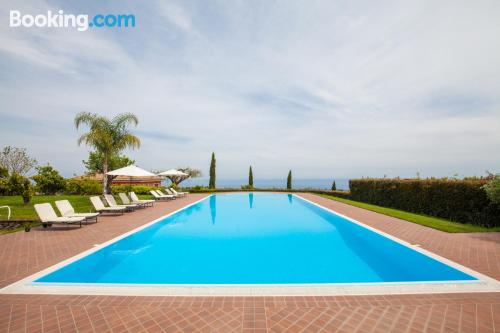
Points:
[328,89]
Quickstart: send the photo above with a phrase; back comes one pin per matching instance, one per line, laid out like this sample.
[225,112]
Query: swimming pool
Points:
[240,239]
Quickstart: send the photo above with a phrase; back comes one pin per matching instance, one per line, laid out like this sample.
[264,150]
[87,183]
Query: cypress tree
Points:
[250,178]
[289,180]
[334,186]
[211,182]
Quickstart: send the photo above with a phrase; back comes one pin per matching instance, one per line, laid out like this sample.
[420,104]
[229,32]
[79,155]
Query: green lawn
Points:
[20,211]
[428,221]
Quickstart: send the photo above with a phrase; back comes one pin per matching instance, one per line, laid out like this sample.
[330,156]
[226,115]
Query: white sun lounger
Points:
[112,203]
[178,193]
[159,196]
[48,216]
[126,201]
[169,193]
[99,206]
[135,199]
[66,209]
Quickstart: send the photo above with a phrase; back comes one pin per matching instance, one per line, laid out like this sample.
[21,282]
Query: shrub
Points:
[27,191]
[19,185]
[4,173]
[48,180]
[83,187]
[138,189]
[337,193]
[463,201]
[4,178]
[197,188]
[493,189]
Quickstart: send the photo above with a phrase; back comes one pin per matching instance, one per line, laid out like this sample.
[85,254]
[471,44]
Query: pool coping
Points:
[28,286]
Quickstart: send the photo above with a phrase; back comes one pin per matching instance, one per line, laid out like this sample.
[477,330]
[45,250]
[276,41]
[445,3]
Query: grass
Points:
[428,221]
[20,211]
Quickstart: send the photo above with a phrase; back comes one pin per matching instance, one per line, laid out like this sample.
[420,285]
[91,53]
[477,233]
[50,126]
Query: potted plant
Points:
[26,191]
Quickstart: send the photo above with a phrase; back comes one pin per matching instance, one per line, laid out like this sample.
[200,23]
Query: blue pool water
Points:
[254,239]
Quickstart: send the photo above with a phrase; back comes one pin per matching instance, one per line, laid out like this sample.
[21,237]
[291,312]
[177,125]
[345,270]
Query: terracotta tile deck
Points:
[22,254]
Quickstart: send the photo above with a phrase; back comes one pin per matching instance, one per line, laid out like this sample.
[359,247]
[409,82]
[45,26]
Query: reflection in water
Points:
[213,208]
[250,200]
[131,251]
[290,198]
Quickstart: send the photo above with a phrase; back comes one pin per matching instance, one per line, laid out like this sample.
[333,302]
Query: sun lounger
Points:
[66,209]
[168,193]
[135,199]
[112,203]
[126,201]
[48,216]
[99,206]
[159,196]
[178,193]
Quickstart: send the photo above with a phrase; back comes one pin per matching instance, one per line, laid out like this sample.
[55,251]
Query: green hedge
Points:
[463,201]
[83,187]
[89,187]
[138,189]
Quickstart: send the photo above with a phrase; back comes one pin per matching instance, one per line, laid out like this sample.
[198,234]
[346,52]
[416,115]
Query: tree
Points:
[95,162]
[4,173]
[250,178]
[108,137]
[4,177]
[191,173]
[493,189]
[16,160]
[19,185]
[211,181]
[334,186]
[289,180]
[48,180]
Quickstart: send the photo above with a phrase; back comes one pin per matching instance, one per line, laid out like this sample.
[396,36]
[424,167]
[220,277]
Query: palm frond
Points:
[121,120]
[107,136]
[84,138]
[85,118]
[129,140]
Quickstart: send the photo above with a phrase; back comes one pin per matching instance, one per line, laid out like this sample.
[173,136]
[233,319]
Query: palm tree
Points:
[107,136]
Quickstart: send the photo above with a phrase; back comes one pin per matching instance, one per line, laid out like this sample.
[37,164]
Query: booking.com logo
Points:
[80,22]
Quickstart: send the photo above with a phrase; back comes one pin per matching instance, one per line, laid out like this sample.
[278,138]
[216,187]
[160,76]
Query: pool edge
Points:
[483,284]
[464,269]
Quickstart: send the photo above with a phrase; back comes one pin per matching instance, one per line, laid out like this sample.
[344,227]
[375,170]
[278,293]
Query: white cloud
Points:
[325,88]
[175,15]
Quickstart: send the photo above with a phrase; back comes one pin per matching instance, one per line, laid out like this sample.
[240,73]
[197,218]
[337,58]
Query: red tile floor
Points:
[22,254]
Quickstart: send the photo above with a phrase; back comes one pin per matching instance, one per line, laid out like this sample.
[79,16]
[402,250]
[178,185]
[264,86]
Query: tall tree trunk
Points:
[105,189]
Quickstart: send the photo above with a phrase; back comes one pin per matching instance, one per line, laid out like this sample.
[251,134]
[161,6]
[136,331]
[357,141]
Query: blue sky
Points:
[326,88]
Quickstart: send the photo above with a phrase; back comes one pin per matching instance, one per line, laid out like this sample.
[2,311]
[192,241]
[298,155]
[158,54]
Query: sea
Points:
[321,184]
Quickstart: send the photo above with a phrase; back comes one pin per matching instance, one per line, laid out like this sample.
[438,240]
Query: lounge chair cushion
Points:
[99,206]
[47,215]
